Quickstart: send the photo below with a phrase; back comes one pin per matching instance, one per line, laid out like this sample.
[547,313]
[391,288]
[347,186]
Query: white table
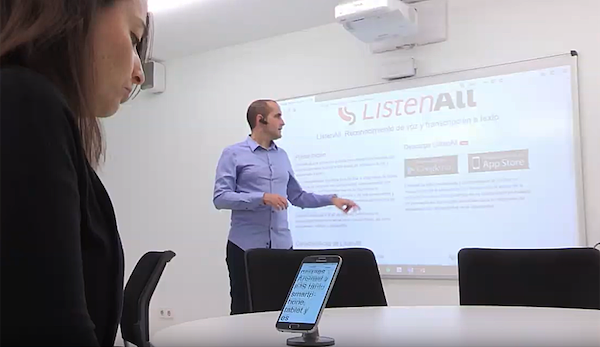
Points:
[403,326]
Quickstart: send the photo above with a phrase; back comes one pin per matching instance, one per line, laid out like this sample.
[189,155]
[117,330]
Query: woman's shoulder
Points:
[22,86]
[30,98]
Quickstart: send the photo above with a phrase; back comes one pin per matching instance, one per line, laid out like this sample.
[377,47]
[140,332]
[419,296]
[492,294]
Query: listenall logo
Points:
[346,115]
[395,108]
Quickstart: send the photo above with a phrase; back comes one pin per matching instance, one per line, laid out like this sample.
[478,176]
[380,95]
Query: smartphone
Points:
[309,294]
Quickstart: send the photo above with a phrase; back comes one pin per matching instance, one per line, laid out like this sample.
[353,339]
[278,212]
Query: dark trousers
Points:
[236,265]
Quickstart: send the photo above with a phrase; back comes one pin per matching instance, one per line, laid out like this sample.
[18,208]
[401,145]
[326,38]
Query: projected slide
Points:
[485,162]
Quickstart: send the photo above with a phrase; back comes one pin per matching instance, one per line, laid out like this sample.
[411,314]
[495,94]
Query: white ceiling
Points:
[204,25]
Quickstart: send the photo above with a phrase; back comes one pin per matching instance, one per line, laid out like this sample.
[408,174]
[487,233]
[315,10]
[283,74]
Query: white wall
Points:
[163,148]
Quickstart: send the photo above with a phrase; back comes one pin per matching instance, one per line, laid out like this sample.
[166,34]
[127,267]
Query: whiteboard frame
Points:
[570,59]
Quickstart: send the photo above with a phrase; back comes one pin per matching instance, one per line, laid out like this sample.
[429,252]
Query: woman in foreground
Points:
[63,64]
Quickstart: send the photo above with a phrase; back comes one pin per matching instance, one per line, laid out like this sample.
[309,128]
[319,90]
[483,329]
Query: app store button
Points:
[499,161]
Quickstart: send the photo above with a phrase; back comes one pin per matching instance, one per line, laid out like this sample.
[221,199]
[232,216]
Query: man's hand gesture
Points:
[344,204]
[277,201]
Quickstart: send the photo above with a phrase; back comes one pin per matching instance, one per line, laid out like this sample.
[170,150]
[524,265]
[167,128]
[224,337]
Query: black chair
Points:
[561,278]
[135,325]
[270,274]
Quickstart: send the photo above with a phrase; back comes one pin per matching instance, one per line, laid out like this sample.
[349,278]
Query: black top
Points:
[61,255]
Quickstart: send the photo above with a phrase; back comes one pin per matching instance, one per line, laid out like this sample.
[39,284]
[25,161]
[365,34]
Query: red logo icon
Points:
[346,115]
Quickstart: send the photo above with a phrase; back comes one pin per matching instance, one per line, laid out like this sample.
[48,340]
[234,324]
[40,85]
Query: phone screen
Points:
[308,293]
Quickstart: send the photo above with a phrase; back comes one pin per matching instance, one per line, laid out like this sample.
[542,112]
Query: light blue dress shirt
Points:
[244,173]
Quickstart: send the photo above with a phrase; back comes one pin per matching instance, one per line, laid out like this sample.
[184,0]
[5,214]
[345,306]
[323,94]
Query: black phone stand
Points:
[311,340]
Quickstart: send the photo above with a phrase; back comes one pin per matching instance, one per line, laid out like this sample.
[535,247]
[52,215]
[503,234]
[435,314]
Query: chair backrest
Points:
[135,324]
[563,278]
[270,274]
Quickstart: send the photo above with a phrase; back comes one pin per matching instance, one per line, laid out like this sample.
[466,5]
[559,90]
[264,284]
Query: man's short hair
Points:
[257,107]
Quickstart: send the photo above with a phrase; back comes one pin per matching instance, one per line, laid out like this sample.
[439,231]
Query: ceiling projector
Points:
[373,21]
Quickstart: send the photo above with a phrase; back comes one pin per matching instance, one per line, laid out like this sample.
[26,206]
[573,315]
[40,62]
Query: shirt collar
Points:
[254,145]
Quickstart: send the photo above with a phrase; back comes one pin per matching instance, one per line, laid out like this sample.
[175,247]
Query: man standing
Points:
[255,180]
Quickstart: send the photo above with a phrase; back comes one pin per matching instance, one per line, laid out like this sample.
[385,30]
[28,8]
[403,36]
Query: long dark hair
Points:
[51,38]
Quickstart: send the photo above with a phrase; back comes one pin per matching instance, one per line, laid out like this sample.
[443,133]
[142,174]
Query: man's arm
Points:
[300,198]
[225,196]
